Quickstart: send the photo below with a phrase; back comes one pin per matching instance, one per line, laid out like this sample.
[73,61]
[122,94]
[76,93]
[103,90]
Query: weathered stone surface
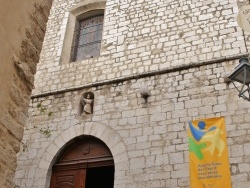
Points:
[180,50]
[19,54]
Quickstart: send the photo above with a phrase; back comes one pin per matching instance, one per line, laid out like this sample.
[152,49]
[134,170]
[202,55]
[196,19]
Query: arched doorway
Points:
[87,163]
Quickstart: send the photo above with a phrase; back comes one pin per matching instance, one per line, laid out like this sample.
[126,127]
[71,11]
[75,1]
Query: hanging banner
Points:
[208,154]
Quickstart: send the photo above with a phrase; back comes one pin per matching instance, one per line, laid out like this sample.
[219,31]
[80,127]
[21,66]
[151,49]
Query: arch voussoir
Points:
[103,132]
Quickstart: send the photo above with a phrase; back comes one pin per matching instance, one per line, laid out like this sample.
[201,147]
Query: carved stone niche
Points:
[86,103]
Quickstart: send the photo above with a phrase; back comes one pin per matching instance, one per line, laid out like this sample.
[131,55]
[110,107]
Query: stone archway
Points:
[103,132]
[85,162]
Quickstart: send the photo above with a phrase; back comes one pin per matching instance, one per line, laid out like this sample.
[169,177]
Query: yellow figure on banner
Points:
[215,141]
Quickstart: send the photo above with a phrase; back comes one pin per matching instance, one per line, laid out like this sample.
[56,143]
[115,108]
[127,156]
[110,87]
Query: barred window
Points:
[87,40]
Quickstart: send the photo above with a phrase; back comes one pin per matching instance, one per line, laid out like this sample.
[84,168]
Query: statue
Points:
[87,103]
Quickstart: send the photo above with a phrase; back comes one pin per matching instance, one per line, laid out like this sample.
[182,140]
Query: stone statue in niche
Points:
[87,102]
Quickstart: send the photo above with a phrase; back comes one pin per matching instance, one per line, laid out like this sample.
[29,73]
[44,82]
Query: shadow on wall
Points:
[22,29]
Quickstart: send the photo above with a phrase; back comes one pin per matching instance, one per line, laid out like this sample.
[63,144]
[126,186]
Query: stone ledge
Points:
[142,75]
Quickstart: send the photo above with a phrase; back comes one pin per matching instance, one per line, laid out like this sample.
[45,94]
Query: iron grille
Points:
[88,37]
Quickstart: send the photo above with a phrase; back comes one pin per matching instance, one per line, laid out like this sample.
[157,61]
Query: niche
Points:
[87,103]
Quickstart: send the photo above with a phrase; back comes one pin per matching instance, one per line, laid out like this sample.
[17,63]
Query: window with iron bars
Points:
[87,38]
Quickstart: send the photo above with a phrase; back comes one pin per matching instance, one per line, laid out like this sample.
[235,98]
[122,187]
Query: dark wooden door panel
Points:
[65,185]
[68,179]
[85,150]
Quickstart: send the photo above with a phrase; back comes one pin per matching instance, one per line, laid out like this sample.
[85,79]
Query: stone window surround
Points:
[82,10]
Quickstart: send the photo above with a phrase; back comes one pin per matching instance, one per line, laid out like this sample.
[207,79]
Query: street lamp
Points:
[241,74]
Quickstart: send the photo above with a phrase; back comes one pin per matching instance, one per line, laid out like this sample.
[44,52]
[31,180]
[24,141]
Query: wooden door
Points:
[68,179]
[82,161]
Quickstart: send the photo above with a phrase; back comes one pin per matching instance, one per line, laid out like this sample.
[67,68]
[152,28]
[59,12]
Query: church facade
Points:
[118,82]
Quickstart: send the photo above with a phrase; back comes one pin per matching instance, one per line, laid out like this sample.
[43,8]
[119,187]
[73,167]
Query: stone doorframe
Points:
[109,136]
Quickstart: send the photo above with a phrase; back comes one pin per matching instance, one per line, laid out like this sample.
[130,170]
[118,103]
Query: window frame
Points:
[86,9]
[75,42]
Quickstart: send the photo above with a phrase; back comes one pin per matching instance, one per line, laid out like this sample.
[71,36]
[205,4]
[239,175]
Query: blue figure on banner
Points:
[199,133]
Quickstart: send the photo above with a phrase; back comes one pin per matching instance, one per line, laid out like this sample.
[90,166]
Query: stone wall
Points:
[148,141]
[139,37]
[181,50]
[22,28]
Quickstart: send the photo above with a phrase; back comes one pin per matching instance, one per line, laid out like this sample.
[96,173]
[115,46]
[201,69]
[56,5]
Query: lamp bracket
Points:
[243,93]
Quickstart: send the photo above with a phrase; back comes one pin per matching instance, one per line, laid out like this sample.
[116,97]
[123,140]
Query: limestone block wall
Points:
[181,50]
[148,141]
[22,28]
[139,37]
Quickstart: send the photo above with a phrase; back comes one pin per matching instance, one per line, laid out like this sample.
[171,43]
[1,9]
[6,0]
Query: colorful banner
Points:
[208,154]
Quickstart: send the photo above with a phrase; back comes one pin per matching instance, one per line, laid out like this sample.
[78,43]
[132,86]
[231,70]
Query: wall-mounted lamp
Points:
[144,92]
[241,74]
